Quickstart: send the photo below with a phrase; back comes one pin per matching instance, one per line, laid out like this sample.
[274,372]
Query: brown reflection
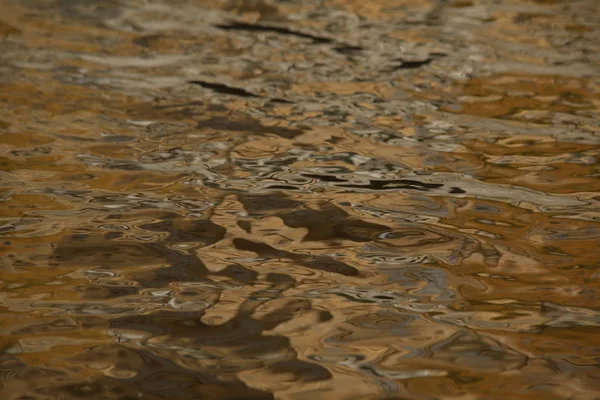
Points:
[299,199]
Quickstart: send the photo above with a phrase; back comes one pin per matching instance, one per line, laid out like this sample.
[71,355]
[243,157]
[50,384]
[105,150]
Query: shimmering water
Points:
[299,199]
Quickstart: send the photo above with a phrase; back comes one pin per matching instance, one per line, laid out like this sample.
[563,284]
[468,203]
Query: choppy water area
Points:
[299,199]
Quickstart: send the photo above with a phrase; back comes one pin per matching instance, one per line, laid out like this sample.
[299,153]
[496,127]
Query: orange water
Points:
[299,199]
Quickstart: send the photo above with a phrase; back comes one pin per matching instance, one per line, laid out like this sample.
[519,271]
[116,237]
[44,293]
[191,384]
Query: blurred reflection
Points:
[299,199]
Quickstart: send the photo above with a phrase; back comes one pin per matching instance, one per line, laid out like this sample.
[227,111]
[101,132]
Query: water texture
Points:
[299,199]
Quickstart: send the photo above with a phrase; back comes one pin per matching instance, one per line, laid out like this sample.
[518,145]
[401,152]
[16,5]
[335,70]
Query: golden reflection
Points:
[298,200]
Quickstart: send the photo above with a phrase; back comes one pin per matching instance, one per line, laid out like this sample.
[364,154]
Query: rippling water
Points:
[299,199]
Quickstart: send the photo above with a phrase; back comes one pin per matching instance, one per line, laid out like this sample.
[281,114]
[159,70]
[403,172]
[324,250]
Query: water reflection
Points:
[299,199]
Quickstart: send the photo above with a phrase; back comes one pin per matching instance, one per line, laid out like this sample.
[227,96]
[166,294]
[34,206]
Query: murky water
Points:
[299,199]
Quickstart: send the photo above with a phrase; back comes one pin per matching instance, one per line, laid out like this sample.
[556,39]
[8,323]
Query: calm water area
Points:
[299,199]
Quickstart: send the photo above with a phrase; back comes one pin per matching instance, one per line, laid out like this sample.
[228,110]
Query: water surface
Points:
[299,199]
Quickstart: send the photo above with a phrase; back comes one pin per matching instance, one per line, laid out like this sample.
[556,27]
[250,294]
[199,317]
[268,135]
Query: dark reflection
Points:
[348,49]
[248,125]
[411,64]
[220,88]
[242,336]
[396,184]
[320,264]
[107,254]
[333,266]
[204,232]
[332,222]
[155,377]
[242,26]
